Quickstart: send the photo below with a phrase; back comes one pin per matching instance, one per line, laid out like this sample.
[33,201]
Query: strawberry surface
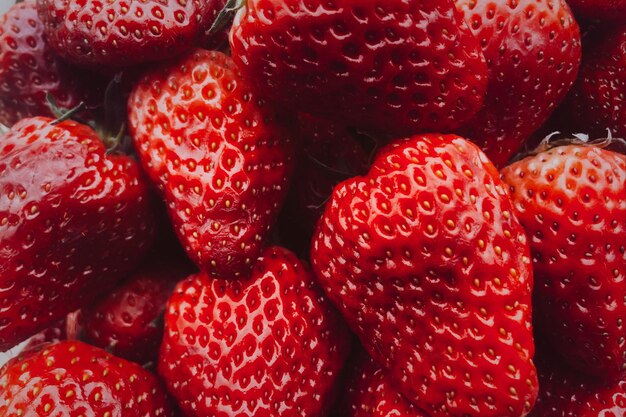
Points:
[30,69]
[533,53]
[369,393]
[271,345]
[218,153]
[73,222]
[572,202]
[597,101]
[74,379]
[396,66]
[426,261]
[613,10]
[128,322]
[564,393]
[114,34]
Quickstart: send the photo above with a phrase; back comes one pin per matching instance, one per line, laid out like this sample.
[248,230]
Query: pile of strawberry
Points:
[307,208]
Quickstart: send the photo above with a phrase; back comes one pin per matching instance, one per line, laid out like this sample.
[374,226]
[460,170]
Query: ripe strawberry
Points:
[533,52]
[73,221]
[330,154]
[598,99]
[600,9]
[217,152]
[369,393]
[72,379]
[396,66]
[572,202]
[272,344]
[29,69]
[128,321]
[116,34]
[426,261]
[566,394]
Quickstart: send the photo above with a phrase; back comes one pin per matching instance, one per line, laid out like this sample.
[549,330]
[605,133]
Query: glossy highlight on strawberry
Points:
[572,202]
[217,152]
[394,66]
[73,222]
[427,263]
[72,378]
[270,345]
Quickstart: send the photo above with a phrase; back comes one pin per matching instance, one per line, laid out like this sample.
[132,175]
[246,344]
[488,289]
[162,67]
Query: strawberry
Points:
[369,393]
[73,221]
[395,66]
[217,152]
[128,321]
[571,201]
[72,379]
[533,53]
[564,393]
[330,153]
[427,263]
[29,69]
[600,9]
[271,345]
[115,34]
[597,101]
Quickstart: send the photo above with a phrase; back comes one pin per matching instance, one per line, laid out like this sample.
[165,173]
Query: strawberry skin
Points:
[369,393]
[533,51]
[430,268]
[116,34]
[217,152]
[128,321]
[394,66]
[29,69]
[73,221]
[272,344]
[572,202]
[598,100]
[563,393]
[71,379]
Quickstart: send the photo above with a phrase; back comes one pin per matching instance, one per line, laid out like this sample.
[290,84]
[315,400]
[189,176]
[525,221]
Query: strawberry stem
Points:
[63,114]
[226,15]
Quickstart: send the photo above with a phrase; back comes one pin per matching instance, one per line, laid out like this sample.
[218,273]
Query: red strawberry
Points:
[396,66]
[330,154]
[600,9]
[29,69]
[217,152]
[272,345]
[115,34]
[369,393]
[598,100]
[565,394]
[426,261]
[572,202]
[74,379]
[533,52]
[73,221]
[128,321]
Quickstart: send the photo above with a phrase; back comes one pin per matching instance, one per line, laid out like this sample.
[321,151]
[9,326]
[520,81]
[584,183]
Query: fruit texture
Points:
[218,154]
[533,53]
[115,34]
[613,10]
[71,378]
[427,263]
[270,345]
[73,222]
[572,202]
[395,66]
[30,69]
